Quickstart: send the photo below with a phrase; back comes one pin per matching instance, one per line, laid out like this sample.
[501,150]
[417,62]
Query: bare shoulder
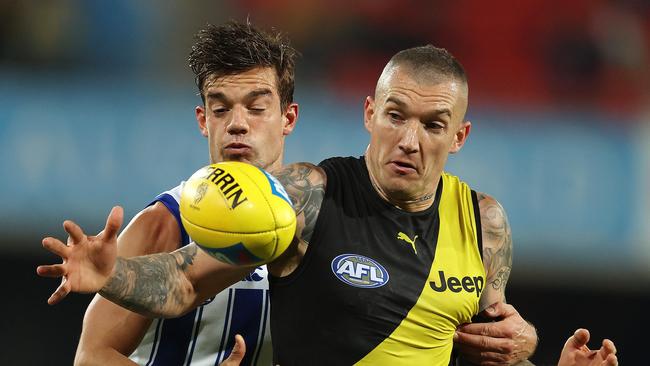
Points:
[297,177]
[305,184]
[497,245]
[493,215]
[152,230]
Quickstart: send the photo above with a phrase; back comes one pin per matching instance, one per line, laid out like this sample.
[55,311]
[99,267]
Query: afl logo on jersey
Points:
[359,271]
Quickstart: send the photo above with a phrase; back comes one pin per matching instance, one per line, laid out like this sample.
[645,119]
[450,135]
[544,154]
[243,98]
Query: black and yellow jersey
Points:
[378,285]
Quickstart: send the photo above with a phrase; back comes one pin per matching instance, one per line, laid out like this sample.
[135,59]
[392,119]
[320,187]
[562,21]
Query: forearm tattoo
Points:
[306,194]
[497,242]
[151,285]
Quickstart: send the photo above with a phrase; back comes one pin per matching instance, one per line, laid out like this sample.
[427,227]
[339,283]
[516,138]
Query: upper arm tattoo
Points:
[305,185]
[497,242]
[152,285]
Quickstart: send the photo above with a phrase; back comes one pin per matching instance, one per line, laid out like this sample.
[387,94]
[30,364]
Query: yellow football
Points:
[238,213]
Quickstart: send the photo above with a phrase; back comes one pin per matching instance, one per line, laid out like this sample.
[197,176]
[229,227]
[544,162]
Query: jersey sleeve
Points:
[171,199]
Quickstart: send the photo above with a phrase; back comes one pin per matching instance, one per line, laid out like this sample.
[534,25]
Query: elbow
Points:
[86,357]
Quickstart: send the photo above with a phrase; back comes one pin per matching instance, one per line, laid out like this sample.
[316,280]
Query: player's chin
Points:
[241,156]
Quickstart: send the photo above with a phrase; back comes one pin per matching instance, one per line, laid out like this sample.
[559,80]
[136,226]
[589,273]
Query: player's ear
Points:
[290,118]
[368,112]
[199,112]
[460,137]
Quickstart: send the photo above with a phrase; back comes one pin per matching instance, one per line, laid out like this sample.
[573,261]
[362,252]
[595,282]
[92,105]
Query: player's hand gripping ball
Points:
[238,213]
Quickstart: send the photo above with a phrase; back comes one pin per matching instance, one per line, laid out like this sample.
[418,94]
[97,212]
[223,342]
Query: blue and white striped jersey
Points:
[206,335]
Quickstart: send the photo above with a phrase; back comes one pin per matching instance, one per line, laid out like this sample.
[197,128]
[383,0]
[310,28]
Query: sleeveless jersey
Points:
[205,336]
[378,285]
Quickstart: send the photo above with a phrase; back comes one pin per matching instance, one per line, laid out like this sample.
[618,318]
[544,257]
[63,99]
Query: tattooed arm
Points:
[506,338]
[305,184]
[497,250]
[169,284]
[166,284]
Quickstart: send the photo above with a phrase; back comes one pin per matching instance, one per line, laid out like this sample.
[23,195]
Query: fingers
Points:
[484,343]
[240,347]
[237,354]
[579,338]
[62,291]
[76,234]
[113,223]
[55,270]
[609,346]
[607,349]
[492,329]
[55,246]
[611,360]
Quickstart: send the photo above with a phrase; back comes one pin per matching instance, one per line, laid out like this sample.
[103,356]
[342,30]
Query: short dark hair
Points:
[236,47]
[430,59]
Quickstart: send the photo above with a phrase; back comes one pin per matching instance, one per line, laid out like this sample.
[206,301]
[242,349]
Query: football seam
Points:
[239,232]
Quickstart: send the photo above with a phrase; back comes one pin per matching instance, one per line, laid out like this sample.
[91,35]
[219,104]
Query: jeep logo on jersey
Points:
[455,284]
[359,271]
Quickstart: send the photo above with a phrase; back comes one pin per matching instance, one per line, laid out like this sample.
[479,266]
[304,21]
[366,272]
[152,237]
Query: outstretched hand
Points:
[507,340]
[87,260]
[576,352]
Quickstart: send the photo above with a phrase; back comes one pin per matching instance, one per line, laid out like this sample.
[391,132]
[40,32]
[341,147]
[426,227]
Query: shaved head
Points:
[425,65]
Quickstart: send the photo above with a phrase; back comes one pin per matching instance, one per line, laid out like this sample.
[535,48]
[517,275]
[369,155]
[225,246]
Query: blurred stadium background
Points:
[96,109]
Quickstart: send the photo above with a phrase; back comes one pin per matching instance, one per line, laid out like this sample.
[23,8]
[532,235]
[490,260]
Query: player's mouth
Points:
[237,148]
[402,167]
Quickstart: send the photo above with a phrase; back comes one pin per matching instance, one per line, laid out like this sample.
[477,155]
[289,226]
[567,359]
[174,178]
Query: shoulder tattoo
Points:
[306,188]
[497,241]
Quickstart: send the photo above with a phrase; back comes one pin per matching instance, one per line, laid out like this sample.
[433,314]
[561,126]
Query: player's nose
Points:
[409,142]
[238,123]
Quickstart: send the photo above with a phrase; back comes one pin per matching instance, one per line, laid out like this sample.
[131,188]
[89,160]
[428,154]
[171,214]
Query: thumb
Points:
[579,339]
[499,309]
[113,223]
[237,354]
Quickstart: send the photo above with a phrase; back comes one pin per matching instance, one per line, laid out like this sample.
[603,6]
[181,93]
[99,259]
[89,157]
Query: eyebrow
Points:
[251,95]
[436,112]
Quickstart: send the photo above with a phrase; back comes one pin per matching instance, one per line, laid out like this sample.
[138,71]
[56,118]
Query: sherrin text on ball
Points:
[238,213]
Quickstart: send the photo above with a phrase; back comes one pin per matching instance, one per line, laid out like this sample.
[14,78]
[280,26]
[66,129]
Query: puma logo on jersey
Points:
[406,238]
[455,284]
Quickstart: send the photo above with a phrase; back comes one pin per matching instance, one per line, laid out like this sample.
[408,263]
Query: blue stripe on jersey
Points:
[226,318]
[263,324]
[155,341]
[175,339]
[172,206]
[197,326]
[245,320]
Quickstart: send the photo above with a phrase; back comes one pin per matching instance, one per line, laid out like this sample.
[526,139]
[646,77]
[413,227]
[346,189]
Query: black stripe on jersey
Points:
[477,220]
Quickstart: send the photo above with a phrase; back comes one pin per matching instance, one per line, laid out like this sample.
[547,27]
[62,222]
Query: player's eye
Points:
[395,117]
[434,126]
[219,111]
[257,109]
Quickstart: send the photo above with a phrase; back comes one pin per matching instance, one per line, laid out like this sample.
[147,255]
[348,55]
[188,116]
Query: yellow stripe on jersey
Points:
[451,294]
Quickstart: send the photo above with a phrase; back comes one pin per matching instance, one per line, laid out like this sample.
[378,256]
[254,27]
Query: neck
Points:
[409,204]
